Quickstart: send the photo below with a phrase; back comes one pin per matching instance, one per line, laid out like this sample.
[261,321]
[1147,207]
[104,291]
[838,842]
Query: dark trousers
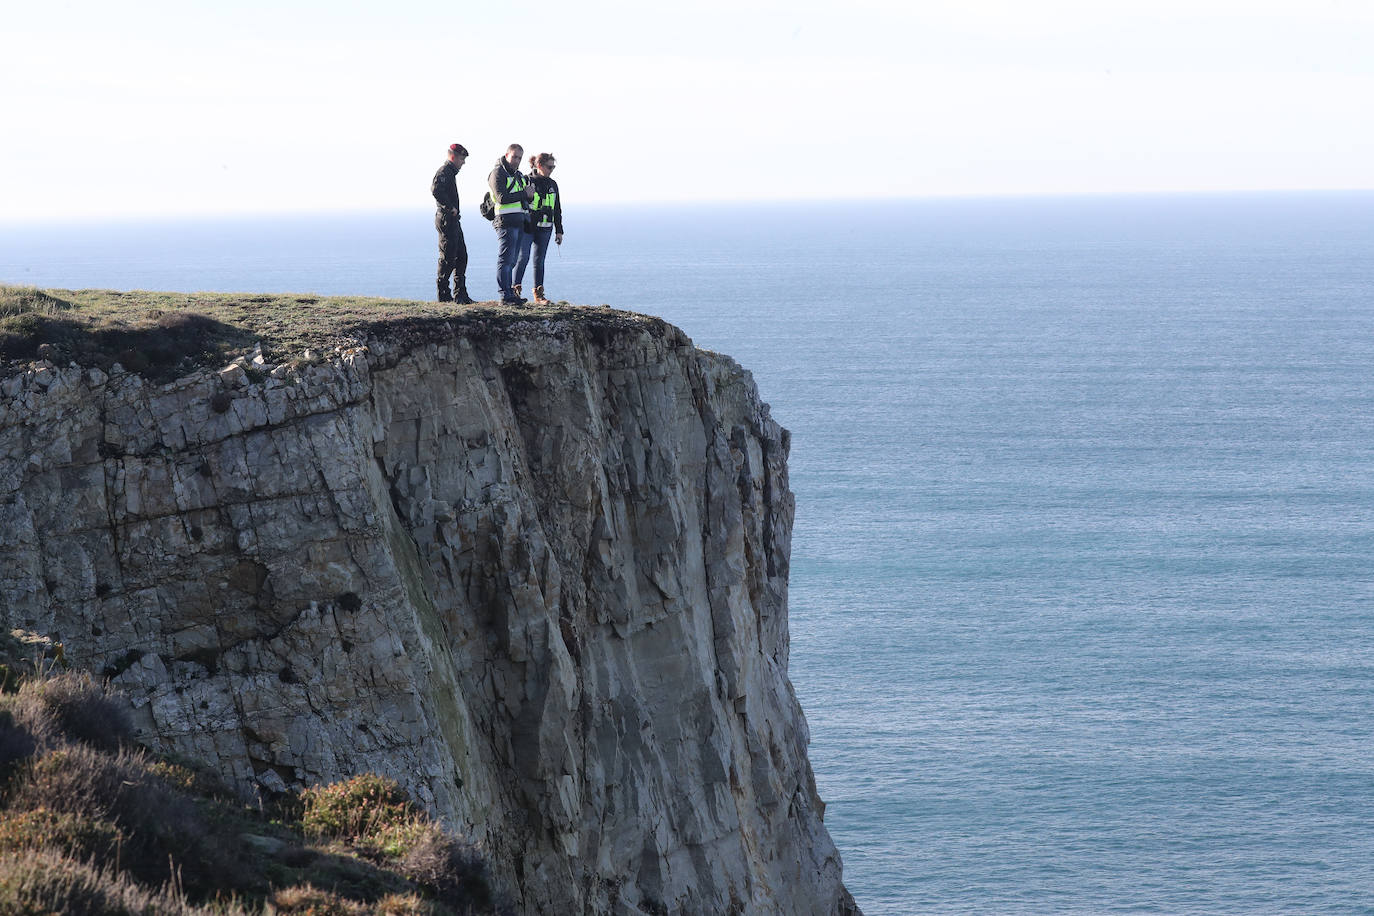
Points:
[453,249]
[536,243]
[509,239]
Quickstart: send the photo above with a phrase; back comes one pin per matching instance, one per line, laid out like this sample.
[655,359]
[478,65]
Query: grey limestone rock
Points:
[535,572]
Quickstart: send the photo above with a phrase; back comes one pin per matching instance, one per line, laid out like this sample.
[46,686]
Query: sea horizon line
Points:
[593,206]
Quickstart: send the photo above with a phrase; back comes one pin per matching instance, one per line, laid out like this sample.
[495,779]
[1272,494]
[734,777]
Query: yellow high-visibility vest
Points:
[543,204]
[516,185]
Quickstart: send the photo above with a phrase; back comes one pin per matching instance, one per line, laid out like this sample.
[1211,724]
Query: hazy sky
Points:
[145,106]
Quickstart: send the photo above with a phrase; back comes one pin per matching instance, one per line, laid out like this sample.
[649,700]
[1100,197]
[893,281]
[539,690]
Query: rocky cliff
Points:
[535,569]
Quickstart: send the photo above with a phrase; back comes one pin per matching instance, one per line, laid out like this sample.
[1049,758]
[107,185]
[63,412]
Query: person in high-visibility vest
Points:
[546,219]
[453,250]
[510,194]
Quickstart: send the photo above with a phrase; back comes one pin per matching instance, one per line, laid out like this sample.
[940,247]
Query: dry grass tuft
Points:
[19,300]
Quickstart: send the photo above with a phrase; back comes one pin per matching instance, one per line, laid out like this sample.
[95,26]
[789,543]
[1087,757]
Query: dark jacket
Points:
[507,187]
[444,187]
[547,207]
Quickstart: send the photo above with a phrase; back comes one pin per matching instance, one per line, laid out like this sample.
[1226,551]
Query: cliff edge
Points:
[532,566]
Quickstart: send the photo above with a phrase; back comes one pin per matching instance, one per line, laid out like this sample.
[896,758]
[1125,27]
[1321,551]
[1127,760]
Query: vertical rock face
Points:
[536,572]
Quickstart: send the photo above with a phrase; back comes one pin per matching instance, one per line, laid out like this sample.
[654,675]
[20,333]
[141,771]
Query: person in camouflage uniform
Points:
[453,250]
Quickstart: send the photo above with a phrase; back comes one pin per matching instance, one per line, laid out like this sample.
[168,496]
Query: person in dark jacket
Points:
[510,194]
[453,249]
[546,219]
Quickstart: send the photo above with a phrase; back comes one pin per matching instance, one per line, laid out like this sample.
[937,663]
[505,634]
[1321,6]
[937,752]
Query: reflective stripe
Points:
[543,207]
[514,185]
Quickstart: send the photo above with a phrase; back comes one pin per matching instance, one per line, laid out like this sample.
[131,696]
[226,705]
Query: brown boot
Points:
[539,296]
[516,289]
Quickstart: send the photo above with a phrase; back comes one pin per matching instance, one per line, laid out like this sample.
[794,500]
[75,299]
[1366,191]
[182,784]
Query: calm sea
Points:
[1083,579]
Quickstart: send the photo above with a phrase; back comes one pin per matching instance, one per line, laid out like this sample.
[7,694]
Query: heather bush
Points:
[374,815]
[80,837]
[363,810]
[23,653]
[164,828]
[75,780]
[408,905]
[453,869]
[308,900]
[190,779]
[47,882]
[48,712]
[17,744]
[82,708]
[82,780]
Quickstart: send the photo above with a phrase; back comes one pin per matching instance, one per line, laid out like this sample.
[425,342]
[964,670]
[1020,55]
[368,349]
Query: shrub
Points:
[395,839]
[190,779]
[362,809]
[308,900]
[17,744]
[79,837]
[48,882]
[453,869]
[81,780]
[83,709]
[31,723]
[162,826]
[374,815]
[24,653]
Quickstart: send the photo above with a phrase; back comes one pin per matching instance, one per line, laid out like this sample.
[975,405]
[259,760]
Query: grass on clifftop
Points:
[164,335]
[92,824]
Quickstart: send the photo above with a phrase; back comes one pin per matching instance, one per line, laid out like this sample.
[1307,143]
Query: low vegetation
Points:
[164,335]
[92,824]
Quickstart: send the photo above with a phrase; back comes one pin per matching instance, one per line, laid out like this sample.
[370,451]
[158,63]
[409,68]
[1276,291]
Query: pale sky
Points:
[144,107]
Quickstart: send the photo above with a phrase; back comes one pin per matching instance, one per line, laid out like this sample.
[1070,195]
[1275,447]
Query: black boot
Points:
[444,294]
[460,293]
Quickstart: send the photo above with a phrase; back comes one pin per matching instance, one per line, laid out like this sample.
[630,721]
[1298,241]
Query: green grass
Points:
[163,335]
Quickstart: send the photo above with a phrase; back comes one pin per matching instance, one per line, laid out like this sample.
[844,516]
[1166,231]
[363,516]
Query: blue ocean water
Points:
[1082,591]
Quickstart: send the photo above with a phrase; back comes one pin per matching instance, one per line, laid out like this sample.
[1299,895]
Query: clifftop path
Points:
[531,564]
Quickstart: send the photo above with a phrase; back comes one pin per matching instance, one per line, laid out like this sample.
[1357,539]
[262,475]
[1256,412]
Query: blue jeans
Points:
[536,239]
[510,240]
